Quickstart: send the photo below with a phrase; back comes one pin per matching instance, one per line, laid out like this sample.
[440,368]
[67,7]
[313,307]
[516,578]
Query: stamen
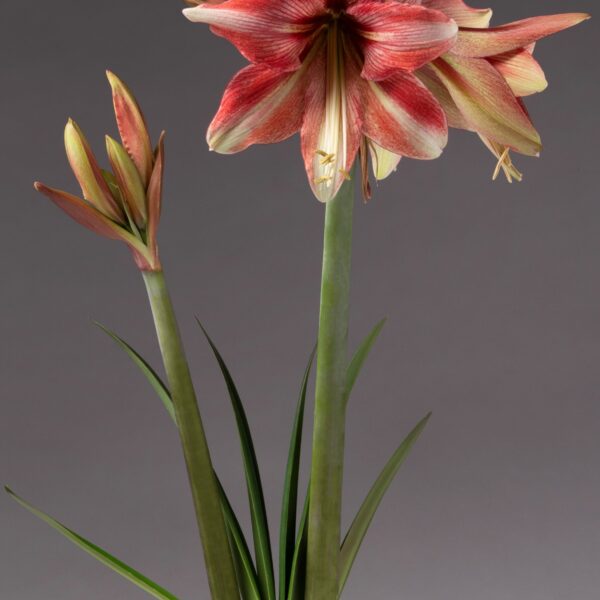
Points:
[346,175]
[505,163]
[323,180]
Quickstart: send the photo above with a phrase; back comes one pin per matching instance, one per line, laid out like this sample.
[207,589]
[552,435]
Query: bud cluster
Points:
[123,203]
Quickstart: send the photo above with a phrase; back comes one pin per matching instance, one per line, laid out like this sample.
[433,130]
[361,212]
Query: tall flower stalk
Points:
[125,205]
[330,405]
[207,502]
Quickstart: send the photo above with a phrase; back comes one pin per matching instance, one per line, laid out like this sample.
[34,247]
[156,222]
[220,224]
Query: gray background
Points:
[493,293]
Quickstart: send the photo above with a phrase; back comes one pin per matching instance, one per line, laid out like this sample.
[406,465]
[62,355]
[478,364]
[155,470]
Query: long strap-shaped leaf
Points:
[287,529]
[98,553]
[245,567]
[246,572]
[360,525]
[258,513]
[359,358]
[297,584]
[155,381]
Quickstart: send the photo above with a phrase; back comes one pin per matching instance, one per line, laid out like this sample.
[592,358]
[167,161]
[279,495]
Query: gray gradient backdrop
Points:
[492,293]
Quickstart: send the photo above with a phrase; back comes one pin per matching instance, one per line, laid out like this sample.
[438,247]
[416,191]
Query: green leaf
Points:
[297,585]
[246,573]
[358,360]
[155,381]
[244,567]
[98,553]
[365,515]
[258,513]
[287,530]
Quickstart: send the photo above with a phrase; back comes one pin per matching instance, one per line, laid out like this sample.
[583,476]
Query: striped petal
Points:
[522,72]
[383,161]
[88,173]
[155,188]
[487,103]
[92,219]
[400,36]
[497,40]
[273,33]
[260,106]
[434,84]
[402,116]
[331,128]
[132,127]
[464,15]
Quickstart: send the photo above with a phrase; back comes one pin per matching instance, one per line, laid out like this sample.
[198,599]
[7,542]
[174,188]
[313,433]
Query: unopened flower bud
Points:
[89,175]
[128,180]
[132,127]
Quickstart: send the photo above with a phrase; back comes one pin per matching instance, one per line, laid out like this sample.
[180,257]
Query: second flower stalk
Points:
[125,204]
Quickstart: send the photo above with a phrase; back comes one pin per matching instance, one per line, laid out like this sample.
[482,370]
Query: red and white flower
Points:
[338,71]
[480,81]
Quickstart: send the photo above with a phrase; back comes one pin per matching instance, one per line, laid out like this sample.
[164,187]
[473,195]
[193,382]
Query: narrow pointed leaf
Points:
[359,358]
[258,513]
[297,583]
[98,553]
[245,570]
[360,525]
[155,381]
[287,530]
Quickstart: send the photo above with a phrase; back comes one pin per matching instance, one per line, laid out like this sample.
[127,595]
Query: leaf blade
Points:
[258,513]
[98,553]
[360,525]
[359,358]
[297,584]
[287,529]
[155,381]
[246,573]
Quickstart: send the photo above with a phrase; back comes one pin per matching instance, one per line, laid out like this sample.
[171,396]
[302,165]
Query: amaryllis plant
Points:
[363,82]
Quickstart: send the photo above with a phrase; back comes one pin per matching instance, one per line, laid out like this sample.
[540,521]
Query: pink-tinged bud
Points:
[89,175]
[155,189]
[132,127]
[95,221]
[128,180]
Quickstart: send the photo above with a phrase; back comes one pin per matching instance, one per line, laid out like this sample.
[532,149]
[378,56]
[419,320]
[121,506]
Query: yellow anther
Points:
[322,180]
[505,163]
[327,158]
[346,174]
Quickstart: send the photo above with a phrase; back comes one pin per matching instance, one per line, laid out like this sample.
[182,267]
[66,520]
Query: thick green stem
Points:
[217,554]
[329,422]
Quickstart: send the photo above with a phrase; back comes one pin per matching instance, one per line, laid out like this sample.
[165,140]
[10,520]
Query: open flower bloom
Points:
[480,81]
[125,204]
[338,71]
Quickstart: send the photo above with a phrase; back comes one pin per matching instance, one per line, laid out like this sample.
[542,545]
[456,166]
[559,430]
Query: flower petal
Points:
[128,180]
[95,221]
[496,40]
[88,173]
[132,127]
[330,132]
[274,33]
[400,36]
[434,84]
[155,195]
[402,116]
[487,102]
[260,106]
[383,161]
[465,16]
[522,72]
